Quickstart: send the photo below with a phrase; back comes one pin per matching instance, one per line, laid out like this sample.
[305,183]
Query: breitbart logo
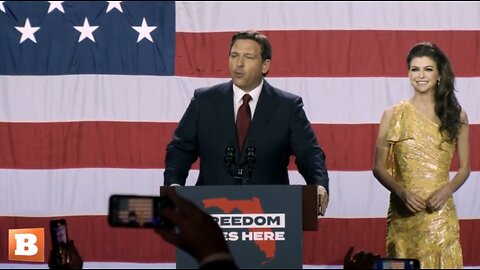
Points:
[26,245]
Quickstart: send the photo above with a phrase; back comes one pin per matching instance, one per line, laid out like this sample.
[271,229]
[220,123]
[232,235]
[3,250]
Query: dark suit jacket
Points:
[279,129]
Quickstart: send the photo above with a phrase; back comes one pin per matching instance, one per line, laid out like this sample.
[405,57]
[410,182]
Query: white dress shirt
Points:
[238,95]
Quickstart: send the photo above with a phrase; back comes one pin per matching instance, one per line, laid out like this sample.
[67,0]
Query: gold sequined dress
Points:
[420,161]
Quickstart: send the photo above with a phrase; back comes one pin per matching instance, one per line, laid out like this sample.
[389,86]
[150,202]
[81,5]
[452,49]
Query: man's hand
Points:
[361,260]
[322,201]
[195,231]
[65,256]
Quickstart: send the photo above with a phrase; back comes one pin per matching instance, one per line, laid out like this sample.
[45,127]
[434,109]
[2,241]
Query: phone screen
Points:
[58,232]
[136,211]
[386,263]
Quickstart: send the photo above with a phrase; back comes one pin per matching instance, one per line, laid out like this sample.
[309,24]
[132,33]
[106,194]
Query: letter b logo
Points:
[26,245]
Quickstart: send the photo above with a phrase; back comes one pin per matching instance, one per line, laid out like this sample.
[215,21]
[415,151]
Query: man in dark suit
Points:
[213,128]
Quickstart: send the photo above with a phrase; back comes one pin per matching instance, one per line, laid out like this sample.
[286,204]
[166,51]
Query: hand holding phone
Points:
[359,260]
[64,254]
[58,232]
[133,211]
[196,232]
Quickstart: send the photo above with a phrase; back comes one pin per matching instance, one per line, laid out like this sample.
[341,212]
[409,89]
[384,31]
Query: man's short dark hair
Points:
[262,40]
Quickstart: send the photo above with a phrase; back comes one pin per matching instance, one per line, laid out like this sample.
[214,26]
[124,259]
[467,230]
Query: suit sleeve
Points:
[182,151]
[310,158]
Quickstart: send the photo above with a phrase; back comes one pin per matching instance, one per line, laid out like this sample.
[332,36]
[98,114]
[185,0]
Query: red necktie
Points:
[244,117]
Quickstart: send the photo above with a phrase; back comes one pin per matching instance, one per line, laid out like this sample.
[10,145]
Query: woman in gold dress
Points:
[414,150]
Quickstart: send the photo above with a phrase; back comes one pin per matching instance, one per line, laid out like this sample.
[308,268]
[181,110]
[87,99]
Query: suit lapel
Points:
[266,103]
[225,114]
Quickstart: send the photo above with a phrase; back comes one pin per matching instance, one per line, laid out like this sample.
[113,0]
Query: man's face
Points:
[245,64]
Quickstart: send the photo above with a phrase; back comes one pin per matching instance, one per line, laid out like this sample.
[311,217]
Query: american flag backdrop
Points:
[91,92]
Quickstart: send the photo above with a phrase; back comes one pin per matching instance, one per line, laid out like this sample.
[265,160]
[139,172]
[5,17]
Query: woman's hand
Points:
[439,197]
[413,201]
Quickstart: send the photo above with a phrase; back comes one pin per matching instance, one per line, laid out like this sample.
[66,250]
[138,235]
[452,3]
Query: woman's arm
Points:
[411,200]
[438,198]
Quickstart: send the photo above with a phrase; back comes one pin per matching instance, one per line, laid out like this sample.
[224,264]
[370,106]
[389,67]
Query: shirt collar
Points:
[238,93]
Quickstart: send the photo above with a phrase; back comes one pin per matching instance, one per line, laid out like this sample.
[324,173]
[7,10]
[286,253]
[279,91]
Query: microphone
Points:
[251,156]
[250,160]
[241,171]
[231,165]
[229,156]
[244,168]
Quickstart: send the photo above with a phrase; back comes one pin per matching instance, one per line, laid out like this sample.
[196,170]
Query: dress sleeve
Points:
[397,132]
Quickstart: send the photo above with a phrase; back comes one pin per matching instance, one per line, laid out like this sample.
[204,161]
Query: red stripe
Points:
[96,241]
[142,145]
[336,53]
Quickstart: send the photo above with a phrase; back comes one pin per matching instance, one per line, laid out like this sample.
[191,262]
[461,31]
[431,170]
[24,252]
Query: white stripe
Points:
[86,192]
[213,16]
[94,265]
[351,100]
[119,265]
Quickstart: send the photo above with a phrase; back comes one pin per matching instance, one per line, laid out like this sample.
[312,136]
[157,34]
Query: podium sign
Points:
[261,223]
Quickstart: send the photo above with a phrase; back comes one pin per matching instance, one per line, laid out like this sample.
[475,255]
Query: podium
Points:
[262,223]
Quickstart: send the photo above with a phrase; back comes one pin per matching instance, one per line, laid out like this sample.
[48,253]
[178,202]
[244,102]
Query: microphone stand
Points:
[241,172]
[251,158]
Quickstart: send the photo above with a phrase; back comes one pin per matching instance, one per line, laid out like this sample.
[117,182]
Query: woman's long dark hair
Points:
[447,107]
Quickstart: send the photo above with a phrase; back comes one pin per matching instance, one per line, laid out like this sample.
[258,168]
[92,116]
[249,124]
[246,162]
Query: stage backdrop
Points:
[90,93]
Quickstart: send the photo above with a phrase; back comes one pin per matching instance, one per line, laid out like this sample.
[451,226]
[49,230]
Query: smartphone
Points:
[387,263]
[133,211]
[58,232]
